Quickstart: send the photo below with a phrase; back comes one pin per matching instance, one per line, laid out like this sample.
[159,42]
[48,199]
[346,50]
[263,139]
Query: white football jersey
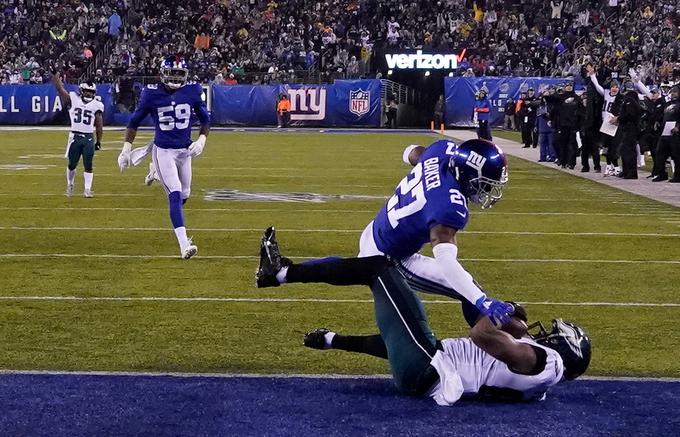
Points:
[465,369]
[608,102]
[82,114]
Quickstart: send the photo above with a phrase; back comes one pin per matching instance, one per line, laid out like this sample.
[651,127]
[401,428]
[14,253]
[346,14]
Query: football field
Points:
[97,284]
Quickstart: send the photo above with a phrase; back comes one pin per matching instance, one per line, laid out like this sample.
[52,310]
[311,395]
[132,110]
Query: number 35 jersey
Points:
[426,197]
[171,113]
[82,114]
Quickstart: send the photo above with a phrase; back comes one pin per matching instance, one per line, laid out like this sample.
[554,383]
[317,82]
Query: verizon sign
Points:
[422,61]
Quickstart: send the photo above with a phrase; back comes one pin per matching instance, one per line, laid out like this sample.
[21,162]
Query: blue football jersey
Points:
[426,197]
[171,113]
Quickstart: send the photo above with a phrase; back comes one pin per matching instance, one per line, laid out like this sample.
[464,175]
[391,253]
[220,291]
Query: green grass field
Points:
[556,240]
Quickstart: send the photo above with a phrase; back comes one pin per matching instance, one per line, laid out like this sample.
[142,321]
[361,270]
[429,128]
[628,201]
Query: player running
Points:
[430,205]
[170,105]
[86,114]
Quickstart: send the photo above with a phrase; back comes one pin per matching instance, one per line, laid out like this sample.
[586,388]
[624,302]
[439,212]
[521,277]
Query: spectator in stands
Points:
[114,25]
[231,80]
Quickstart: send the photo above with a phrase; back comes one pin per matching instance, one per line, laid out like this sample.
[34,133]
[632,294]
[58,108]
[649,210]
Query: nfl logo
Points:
[359,102]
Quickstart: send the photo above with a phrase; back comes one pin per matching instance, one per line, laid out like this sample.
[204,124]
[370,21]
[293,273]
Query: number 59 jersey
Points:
[171,113]
[426,197]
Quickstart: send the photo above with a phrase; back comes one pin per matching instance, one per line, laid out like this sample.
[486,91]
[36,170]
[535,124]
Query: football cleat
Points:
[271,261]
[316,339]
[88,194]
[152,175]
[189,250]
[69,190]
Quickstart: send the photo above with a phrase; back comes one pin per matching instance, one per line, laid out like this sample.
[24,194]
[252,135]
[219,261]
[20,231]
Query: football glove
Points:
[196,148]
[497,311]
[97,145]
[125,159]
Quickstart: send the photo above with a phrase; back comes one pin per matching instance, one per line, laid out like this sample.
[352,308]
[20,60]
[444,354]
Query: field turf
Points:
[569,247]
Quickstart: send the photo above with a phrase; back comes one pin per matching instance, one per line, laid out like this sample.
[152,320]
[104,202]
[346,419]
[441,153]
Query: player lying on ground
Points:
[86,114]
[170,105]
[430,205]
[490,362]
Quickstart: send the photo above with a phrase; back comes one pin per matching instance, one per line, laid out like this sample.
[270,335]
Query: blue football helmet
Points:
[481,170]
[570,341]
[174,72]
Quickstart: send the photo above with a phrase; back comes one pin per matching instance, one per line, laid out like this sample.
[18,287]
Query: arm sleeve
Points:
[599,88]
[446,255]
[643,89]
[141,112]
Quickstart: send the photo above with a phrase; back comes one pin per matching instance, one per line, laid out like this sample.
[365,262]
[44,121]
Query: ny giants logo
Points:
[359,102]
[476,161]
[307,103]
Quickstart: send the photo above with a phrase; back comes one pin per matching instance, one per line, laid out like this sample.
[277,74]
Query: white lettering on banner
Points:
[423,61]
[12,105]
[35,104]
[307,104]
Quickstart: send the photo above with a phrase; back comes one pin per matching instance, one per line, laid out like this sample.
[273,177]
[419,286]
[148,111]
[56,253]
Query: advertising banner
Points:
[460,93]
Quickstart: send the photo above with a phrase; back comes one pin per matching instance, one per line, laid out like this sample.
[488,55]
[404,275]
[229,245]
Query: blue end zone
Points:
[168,405]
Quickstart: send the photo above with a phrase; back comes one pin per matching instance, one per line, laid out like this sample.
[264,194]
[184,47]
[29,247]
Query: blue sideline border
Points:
[73,404]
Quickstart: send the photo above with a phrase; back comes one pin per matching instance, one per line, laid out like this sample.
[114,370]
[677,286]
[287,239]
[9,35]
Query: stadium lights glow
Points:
[427,73]
[451,74]
[389,72]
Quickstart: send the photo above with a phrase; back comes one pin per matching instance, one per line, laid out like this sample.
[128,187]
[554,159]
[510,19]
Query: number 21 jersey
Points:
[171,113]
[426,197]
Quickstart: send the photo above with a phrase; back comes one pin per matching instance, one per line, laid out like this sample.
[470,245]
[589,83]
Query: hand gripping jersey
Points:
[426,197]
[82,114]
[464,369]
[171,113]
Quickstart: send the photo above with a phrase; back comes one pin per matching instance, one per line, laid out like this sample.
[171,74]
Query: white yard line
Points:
[307,300]
[477,214]
[95,373]
[253,257]
[332,231]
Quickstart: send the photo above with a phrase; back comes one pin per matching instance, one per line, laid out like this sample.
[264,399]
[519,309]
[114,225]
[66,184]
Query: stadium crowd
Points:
[40,36]
[261,41]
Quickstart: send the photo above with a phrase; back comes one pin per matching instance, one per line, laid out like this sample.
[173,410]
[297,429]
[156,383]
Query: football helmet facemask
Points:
[481,169]
[174,72]
[570,341]
[88,91]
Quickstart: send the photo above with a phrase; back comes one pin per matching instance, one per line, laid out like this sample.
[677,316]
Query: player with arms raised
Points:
[170,105]
[430,205]
[86,113]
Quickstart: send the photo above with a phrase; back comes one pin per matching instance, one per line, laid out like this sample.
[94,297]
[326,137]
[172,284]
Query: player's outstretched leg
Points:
[186,246]
[324,338]
[275,269]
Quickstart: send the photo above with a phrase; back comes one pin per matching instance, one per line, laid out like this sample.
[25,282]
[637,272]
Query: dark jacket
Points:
[568,110]
[629,114]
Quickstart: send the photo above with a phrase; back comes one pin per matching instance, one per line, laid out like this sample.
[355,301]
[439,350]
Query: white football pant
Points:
[173,167]
[421,272]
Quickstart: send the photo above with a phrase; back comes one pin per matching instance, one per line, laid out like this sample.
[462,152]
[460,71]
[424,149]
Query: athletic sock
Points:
[70,176]
[88,180]
[365,344]
[182,239]
[328,337]
[281,275]
[344,271]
